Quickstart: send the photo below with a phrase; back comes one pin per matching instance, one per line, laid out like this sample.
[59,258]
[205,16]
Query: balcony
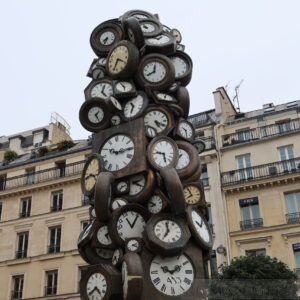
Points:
[56,208]
[21,254]
[270,170]
[53,248]
[41,176]
[50,290]
[251,224]
[16,295]
[293,217]
[250,135]
[209,142]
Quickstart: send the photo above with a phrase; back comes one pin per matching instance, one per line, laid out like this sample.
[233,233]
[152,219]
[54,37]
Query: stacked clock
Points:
[148,235]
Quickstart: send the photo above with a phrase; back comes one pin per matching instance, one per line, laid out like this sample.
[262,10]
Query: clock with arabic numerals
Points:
[135,107]
[155,71]
[101,88]
[100,282]
[122,148]
[163,43]
[126,222]
[183,67]
[150,28]
[105,36]
[124,89]
[93,115]
[184,130]
[157,203]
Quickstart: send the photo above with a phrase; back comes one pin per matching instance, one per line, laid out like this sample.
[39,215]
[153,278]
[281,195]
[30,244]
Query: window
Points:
[256,252]
[250,212]
[18,282]
[25,207]
[38,139]
[0,210]
[2,182]
[30,176]
[284,126]
[61,169]
[84,224]
[55,234]
[51,283]
[293,207]
[213,263]
[22,245]
[244,166]
[287,157]
[57,201]
[243,135]
[204,175]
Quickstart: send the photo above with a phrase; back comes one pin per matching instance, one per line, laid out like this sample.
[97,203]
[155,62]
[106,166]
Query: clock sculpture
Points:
[148,236]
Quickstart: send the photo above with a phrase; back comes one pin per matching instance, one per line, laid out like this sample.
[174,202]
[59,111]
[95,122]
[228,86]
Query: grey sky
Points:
[45,53]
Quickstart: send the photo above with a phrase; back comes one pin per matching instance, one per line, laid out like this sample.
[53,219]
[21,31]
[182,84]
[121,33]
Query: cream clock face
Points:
[117,152]
[200,226]
[183,159]
[118,59]
[154,71]
[95,114]
[107,38]
[156,119]
[96,286]
[136,184]
[172,276]
[103,236]
[167,231]
[91,174]
[192,194]
[102,90]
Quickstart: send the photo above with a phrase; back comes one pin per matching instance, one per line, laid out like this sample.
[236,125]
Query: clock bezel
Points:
[177,133]
[141,111]
[164,199]
[92,84]
[124,95]
[199,186]
[168,48]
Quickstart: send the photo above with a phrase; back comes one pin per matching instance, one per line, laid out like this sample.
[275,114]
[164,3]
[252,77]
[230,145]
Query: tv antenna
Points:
[236,97]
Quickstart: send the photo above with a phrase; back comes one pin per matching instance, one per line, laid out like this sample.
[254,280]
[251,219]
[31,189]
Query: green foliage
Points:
[10,155]
[43,151]
[254,277]
[64,145]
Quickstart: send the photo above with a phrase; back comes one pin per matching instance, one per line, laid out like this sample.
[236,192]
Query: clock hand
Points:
[105,40]
[118,59]
[102,91]
[199,223]
[96,115]
[168,230]
[159,124]
[190,193]
[124,87]
[132,107]
[134,221]
[129,223]
[137,183]
[107,236]
[126,149]
[152,203]
[153,71]
[161,153]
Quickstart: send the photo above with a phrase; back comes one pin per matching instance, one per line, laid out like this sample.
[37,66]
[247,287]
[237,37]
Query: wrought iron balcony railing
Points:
[209,142]
[16,295]
[56,208]
[24,214]
[251,224]
[280,128]
[260,172]
[21,254]
[50,290]
[41,176]
[53,248]
[293,217]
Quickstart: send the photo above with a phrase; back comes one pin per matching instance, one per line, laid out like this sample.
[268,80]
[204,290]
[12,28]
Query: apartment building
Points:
[42,212]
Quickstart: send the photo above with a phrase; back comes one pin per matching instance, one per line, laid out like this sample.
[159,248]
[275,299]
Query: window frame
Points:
[21,252]
[58,206]
[255,252]
[244,173]
[18,292]
[27,212]
[54,282]
[55,246]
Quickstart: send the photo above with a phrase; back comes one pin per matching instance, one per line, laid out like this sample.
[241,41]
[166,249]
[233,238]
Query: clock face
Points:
[180,65]
[103,236]
[117,152]
[102,61]
[105,253]
[133,245]
[140,16]
[107,38]
[151,132]
[155,204]
[201,227]
[167,231]
[102,90]
[192,194]
[172,276]
[118,59]
[122,186]
[136,184]
[123,86]
[154,71]
[158,40]
[147,28]
[96,286]
[164,97]
[116,103]
[185,130]
[93,213]
[176,34]
[157,120]
[130,224]
[91,174]
[95,114]
[163,153]
[115,120]
[133,106]
[183,159]
[98,73]
[118,202]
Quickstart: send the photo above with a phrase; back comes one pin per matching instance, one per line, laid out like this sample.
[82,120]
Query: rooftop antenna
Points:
[226,86]
[236,97]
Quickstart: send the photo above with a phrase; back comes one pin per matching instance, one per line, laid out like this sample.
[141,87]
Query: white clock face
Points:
[122,186]
[154,71]
[96,114]
[156,119]
[102,61]
[133,245]
[151,132]
[180,66]
[164,97]
[183,159]
[102,90]
[118,203]
[200,226]
[158,40]
[103,236]
[107,38]
[117,152]
[133,106]
[167,231]
[115,120]
[163,153]
[124,86]
[105,253]
[116,103]
[147,28]
[98,73]
[140,16]
[155,204]
[130,224]
[185,130]
[172,276]
[136,184]
[96,286]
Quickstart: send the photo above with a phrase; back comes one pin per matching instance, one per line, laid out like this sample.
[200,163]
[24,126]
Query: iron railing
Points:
[53,248]
[56,208]
[280,128]
[50,290]
[21,254]
[16,295]
[293,217]
[41,176]
[260,172]
[251,224]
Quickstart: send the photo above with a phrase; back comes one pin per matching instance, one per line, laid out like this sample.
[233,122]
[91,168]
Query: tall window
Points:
[204,175]
[287,157]
[51,283]
[22,245]
[18,282]
[30,176]
[256,252]
[54,242]
[38,139]
[243,135]
[61,169]
[0,210]
[57,201]
[2,182]
[25,207]
[293,207]
[250,212]
[244,166]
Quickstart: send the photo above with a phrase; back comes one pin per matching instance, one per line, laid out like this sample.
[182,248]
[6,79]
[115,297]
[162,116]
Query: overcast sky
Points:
[45,53]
